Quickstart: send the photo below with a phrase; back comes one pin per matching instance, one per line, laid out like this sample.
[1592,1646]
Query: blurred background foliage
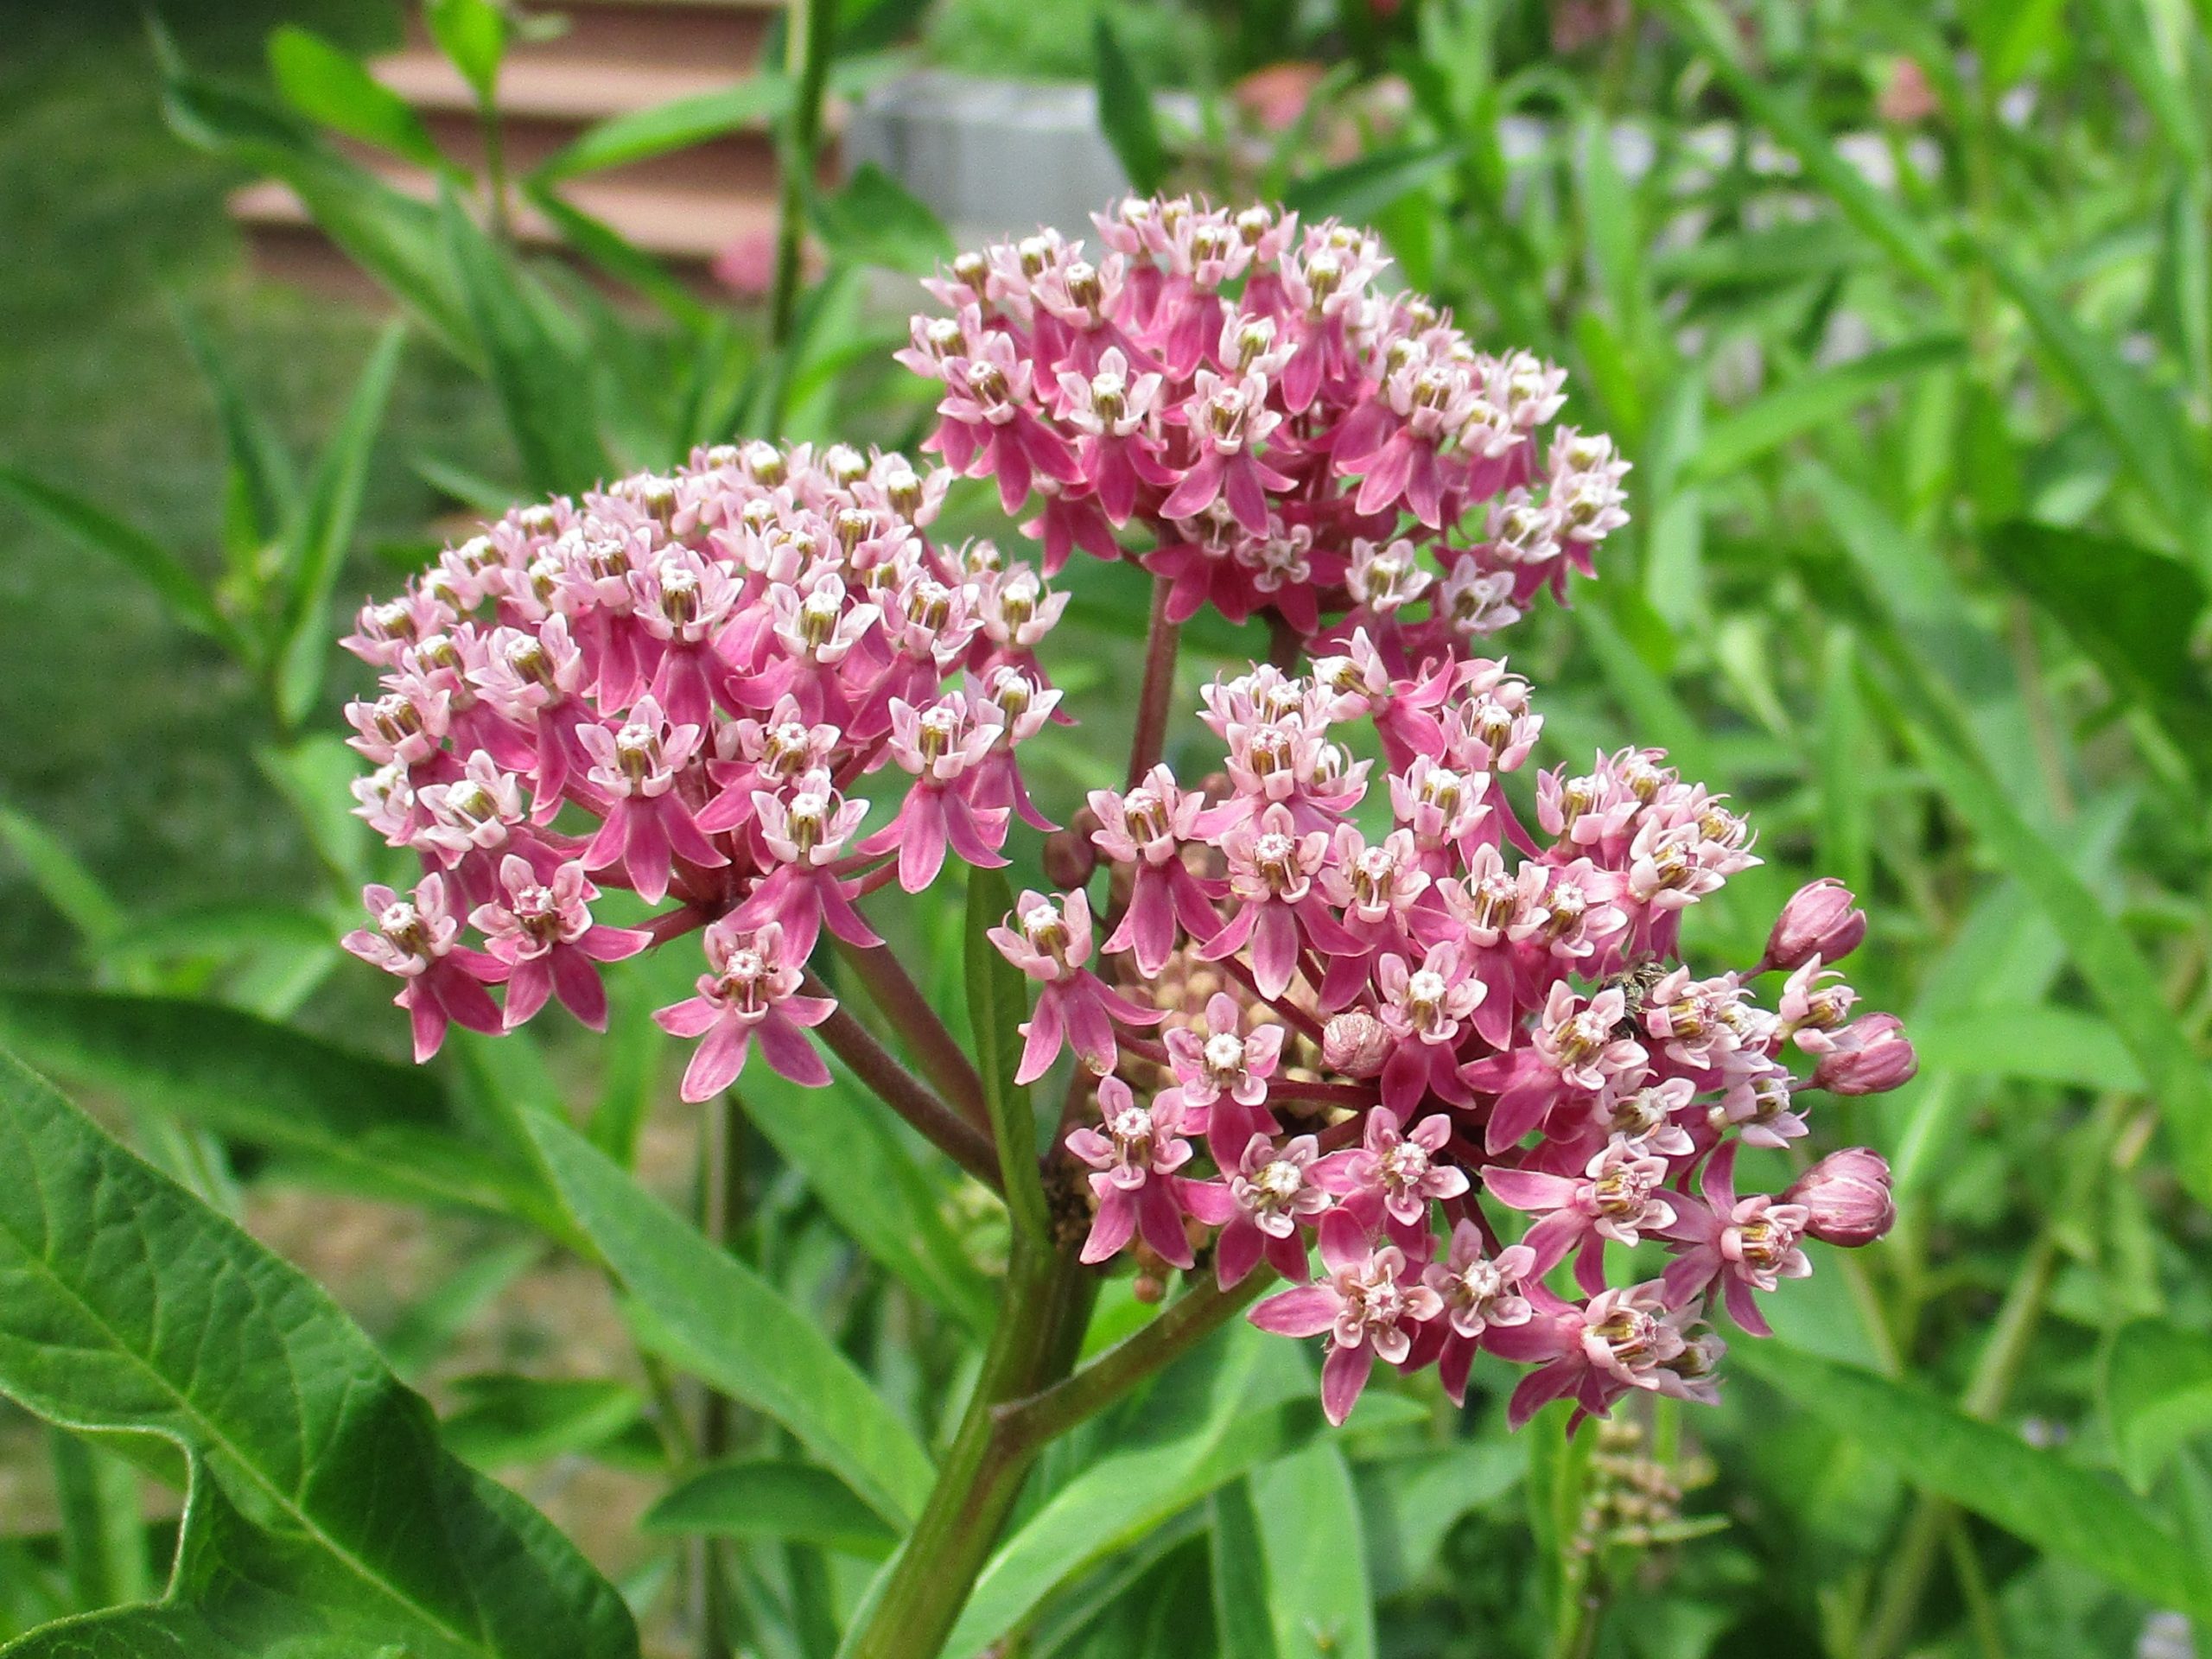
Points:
[1904,314]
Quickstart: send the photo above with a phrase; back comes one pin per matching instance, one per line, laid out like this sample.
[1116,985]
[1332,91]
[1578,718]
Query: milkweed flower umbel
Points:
[1343,977]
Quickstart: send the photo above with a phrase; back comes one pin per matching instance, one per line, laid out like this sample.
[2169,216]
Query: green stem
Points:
[495,173]
[810,38]
[982,1474]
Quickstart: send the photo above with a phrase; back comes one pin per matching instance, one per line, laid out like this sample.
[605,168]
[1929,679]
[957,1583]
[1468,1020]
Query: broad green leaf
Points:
[507,1419]
[545,396]
[1310,1529]
[774,1500]
[875,220]
[1258,1405]
[316,543]
[1813,401]
[708,1312]
[2075,1514]
[640,135]
[62,876]
[324,1516]
[998,1001]
[1359,190]
[98,531]
[1242,1628]
[473,33]
[1126,115]
[873,1187]
[1409,1502]
[1880,219]
[2155,1388]
[331,87]
[349,1119]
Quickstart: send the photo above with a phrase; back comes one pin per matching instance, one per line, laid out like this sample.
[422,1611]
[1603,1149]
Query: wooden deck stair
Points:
[616,56]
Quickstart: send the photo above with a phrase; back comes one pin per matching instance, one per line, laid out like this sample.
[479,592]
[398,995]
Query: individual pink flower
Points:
[1742,1245]
[941,745]
[544,933]
[1617,1197]
[1478,1292]
[751,994]
[1135,1161]
[1869,1057]
[1370,1304]
[1424,1008]
[1050,941]
[417,938]
[1148,827]
[1821,919]
[1390,1180]
[804,834]
[1617,1341]
[1271,870]
[1577,1048]
[648,826]
[1845,1197]
[1274,1197]
[1221,1073]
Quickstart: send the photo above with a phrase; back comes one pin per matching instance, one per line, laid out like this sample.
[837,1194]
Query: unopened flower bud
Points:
[1354,1043]
[1870,1057]
[1847,1197]
[1821,919]
[1069,856]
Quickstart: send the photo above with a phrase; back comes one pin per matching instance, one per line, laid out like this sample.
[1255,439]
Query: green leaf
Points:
[773,1500]
[264,467]
[1813,401]
[324,1518]
[331,87]
[430,1322]
[316,543]
[102,1534]
[2078,1517]
[1126,115]
[2154,1386]
[1879,218]
[621,258]
[216,930]
[998,1003]
[355,1121]
[62,878]
[875,220]
[96,530]
[2133,611]
[640,135]
[1359,190]
[1242,1627]
[504,1419]
[544,394]
[473,33]
[854,1165]
[2041,1042]
[708,1312]
[1318,1597]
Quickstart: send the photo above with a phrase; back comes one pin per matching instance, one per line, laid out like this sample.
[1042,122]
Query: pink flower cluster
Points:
[681,685]
[1291,435]
[1485,1009]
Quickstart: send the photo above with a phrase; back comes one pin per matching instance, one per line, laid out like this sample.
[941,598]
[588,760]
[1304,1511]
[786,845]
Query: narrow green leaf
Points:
[1126,115]
[707,1312]
[998,1003]
[366,1534]
[2154,1386]
[316,544]
[264,467]
[874,1188]
[1813,401]
[773,1500]
[103,1533]
[545,396]
[1881,219]
[97,532]
[331,87]
[473,33]
[62,878]
[218,931]
[2073,1513]
[1316,1550]
[1359,190]
[875,220]
[2041,1043]
[640,135]
[621,258]
[357,1121]
[314,774]
[430,1323]
[1243,1629]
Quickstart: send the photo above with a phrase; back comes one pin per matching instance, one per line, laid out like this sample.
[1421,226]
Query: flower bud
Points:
[1821,920]
[1354,1043]
[1847,1197]
[1870,1057]
[1069,857]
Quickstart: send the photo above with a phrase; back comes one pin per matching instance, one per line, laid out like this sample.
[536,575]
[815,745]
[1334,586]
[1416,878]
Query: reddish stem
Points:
[873,1063]
[1159,688]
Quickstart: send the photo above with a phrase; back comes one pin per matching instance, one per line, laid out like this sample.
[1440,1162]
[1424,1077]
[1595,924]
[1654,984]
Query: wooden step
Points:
[577,89]
[743,161]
